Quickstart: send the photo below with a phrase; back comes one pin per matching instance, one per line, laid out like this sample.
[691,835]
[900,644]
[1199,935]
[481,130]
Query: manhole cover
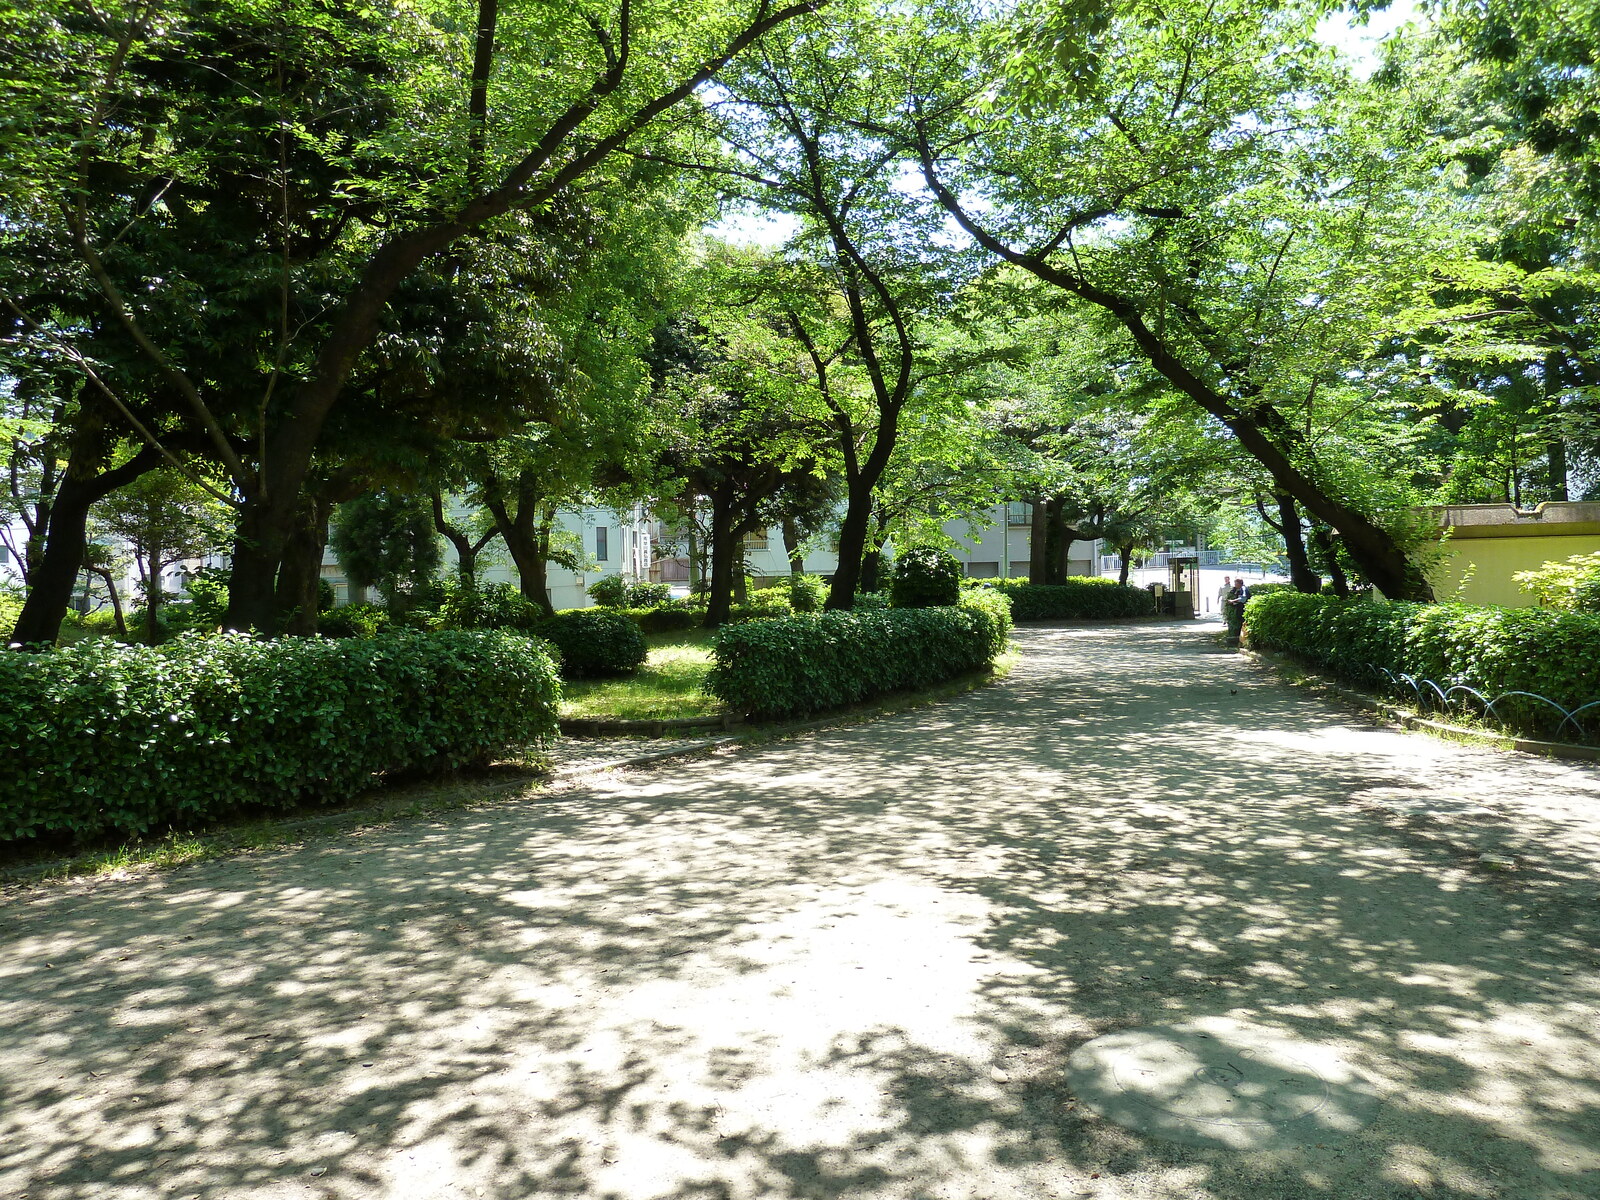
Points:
[1219,1082]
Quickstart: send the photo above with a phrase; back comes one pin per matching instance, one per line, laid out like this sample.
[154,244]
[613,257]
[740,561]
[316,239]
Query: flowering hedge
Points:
[100,738]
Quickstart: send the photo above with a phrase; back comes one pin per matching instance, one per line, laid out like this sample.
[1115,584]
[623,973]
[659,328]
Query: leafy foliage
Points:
[1573,584]
[925,578]
[355,621]
[814,661]
[387,540]
[1494,650]
[1076,599]
[494,606]
[807,593]
[594,641]
[614,591]
[99,738]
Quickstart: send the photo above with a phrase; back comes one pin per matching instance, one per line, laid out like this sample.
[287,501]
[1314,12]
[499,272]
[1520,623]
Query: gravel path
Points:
[882,961]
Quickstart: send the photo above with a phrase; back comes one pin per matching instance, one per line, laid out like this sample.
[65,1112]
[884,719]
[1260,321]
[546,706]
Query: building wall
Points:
[1487,544]
[1480,570]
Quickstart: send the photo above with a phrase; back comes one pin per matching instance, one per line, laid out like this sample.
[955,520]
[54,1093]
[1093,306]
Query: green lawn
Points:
[667,686]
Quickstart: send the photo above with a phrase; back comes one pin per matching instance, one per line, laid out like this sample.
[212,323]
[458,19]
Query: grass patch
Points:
[667,687]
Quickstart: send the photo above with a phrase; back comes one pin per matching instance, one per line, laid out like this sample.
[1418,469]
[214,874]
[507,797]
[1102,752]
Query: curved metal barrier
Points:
[1463,700]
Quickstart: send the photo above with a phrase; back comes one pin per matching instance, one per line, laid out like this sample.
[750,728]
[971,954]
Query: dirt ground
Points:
[863,963]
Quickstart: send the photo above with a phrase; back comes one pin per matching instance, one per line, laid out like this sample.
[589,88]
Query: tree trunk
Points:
[466,549]
[152,595]
[1322,537]
[300,575]
[530,552]
[1125,553]
[65,540]
[110,580]
[791,547]
[1038,542]
[1294,544]
[852,545]
[723,557]
[697,575]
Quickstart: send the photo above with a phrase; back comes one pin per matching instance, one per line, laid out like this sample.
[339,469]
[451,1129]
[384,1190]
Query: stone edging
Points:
[776,731]
[604,727]
[1410,720]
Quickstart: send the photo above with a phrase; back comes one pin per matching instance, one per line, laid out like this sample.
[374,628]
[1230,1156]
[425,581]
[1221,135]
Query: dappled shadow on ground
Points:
[852,965]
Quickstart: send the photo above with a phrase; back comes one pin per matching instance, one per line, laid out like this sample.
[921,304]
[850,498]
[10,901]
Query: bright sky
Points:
[1360,42]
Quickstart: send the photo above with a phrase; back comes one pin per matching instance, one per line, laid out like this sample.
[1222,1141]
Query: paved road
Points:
[860,964]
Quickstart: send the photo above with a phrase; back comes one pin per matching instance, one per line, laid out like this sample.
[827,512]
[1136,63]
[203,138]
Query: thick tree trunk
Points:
[65,540]
[1125,553]
[1038,542]
[852,544]
[300,575]
[724,554]
[527,539]
[1294,543]
[1047,560]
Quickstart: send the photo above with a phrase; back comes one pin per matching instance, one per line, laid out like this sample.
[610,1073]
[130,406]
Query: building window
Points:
[982,570]
[1019,512]
[1019,570]
[756,539]
[601,550]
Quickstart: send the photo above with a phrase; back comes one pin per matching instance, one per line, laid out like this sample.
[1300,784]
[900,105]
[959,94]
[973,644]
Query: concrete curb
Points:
[1410,720]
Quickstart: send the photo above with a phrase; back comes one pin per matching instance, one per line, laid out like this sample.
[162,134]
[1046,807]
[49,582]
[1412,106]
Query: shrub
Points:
[925,578]
[1492,650]
[1573,585]
[807,593]
[1076,599]
[870,602]
[614,591]
[594,641]
[493,606]
[354,621]
[809,662]
[100,738]
[10,610]
[667,619]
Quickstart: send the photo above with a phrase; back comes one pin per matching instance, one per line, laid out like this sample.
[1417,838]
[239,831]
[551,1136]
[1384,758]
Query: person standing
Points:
[1222,594]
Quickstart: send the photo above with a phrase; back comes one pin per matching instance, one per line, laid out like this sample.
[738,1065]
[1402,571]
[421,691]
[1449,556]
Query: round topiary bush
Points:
[594,641]
[925,578]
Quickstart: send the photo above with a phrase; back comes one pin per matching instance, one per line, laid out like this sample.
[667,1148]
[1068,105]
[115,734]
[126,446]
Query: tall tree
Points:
[245,188]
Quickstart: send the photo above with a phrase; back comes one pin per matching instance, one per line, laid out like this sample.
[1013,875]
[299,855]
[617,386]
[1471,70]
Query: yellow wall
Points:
[1488,563]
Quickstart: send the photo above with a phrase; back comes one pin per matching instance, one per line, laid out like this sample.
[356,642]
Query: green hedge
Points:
[925,578]
[1494,650]
[594,641]
[1076,599]
[790,666]
[101,738]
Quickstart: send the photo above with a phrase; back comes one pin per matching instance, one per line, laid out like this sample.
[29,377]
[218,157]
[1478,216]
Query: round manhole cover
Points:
[1219,1082]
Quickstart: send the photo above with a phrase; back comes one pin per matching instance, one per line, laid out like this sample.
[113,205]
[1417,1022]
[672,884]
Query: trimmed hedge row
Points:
[594,641]
[791,666]
[1076,599]
[101,738]
[1494,650]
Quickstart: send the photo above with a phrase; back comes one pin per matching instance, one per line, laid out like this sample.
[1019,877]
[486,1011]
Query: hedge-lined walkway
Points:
[851,965]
